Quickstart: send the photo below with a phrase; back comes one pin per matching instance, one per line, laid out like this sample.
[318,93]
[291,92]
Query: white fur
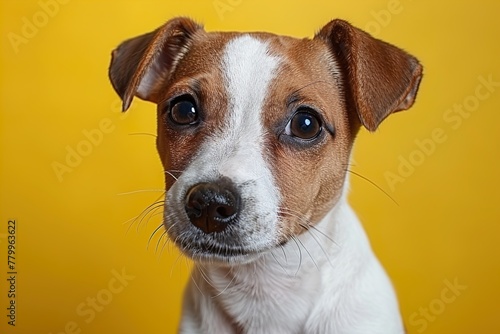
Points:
[312,284]
[339,288]
[236,151]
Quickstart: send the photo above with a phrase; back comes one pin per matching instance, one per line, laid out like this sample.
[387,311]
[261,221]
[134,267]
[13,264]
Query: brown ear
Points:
[380,78]
[141,64]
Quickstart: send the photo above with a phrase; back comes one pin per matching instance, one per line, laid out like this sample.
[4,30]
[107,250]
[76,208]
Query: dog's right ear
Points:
[141,64]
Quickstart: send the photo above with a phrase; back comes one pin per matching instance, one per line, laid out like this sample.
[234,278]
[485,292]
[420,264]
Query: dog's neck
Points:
[253,294]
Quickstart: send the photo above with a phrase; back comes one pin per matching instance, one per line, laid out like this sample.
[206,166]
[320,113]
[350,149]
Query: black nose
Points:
[212,206]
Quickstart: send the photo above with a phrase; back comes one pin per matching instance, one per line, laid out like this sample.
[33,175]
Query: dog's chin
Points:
[222,254]
[224,260]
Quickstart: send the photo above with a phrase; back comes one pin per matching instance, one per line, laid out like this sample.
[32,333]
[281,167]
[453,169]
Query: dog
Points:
[255,133]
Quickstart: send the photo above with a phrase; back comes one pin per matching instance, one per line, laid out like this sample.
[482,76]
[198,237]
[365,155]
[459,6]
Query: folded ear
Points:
[379,78]
[141,64]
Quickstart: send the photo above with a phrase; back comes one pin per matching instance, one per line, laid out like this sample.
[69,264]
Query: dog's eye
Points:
[183,111]
[304,125]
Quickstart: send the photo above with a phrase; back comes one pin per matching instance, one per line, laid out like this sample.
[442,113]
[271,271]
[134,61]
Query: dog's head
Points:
[254,129]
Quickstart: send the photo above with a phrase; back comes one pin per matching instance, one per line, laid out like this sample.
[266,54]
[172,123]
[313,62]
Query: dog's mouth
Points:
[209,250]
[228,247]
[214,251]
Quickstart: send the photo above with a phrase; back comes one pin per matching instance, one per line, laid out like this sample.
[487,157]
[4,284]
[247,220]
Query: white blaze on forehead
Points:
[248,70]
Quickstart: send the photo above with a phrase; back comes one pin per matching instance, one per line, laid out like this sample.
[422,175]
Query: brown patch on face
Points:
[310,175]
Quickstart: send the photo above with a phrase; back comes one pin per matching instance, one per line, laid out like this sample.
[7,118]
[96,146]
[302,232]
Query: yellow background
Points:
[445,227]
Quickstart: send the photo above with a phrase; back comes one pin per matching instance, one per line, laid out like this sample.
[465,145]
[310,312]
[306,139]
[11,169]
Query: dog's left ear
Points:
[141,64]
[380,78]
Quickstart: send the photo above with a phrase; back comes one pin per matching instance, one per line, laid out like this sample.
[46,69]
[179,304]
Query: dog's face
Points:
[265,117]
[255,130]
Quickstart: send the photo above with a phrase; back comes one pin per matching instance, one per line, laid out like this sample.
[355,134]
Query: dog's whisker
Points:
[187,263]
[349,164]
[307,228]
[140,191]
[373,184]
[279,263]
[174,264]
[196,284]
[129,220]
[167,239]
[152,210]
[300,254]
[165,242]
[152,234]
[163,235]
[171,226]
[228,272]
[284,253]
[176,238]
[308,224]
[308,253]
[303,223]
[157,211]
[205,277]
[171,172]
[142,134]
[176,171]
[132,222]
[315,228]
[227,287]
[159,201]
[172,175]
[144,212]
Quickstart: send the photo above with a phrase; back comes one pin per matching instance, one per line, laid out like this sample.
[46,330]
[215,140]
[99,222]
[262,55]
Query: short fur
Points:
[296,259]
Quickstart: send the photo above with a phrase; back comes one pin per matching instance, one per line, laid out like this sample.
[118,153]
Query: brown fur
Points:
[345,74]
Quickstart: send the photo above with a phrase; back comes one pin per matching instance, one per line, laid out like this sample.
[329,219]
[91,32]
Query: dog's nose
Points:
[213,206]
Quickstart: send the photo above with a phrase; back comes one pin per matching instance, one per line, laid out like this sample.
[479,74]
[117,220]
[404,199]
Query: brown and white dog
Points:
[259,128]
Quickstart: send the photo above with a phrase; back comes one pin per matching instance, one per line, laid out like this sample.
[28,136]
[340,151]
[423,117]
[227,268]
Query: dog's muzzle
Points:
[213,206]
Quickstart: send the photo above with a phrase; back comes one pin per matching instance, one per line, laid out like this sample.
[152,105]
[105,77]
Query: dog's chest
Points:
[261,301]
